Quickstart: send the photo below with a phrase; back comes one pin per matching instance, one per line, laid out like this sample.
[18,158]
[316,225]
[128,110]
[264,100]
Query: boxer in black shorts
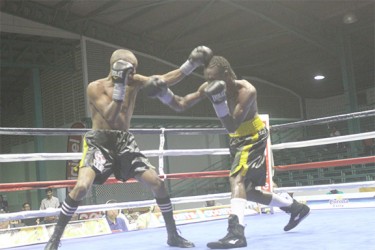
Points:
[235,104]
[110,148]
[113,152]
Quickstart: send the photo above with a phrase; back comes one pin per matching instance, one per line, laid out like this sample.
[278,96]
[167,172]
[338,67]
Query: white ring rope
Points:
[72,131]
[185,152]
[102,207]
[77,156]
[324,141]
[326,187]
[187,199]
[184,131]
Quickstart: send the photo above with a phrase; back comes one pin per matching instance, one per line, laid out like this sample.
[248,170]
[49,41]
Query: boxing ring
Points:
[337,221]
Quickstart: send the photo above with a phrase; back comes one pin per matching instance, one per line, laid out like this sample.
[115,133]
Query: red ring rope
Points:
[326,164]
[21,186]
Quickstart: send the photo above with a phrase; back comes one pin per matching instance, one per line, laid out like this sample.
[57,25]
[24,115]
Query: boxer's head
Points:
[126,55]
[219,69]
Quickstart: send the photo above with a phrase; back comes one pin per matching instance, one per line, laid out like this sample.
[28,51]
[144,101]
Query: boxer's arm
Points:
[156,88]
[200,56]
[232,122]
[246,98]
[172,77]
[179,103]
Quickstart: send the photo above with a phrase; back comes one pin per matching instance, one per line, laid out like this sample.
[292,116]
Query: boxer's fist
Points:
[156,88]
[201,55]
[119,73]
[216,92]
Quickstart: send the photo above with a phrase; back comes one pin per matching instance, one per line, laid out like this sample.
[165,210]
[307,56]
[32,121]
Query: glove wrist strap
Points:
[221,109]
[118,92]
[167,97]
[188,67]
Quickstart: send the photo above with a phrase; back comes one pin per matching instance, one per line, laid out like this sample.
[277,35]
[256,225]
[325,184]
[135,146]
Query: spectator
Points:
[49,219]
[368,145]
[335,191]
[75,217]
[212,203]
[334,132]
[48,203]
[148,218]
[4,224]
[31,221]
[132,215]
[3,203]
[116,223]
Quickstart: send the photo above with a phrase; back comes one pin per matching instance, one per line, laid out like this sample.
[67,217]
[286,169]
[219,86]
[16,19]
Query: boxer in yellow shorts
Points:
[235,103]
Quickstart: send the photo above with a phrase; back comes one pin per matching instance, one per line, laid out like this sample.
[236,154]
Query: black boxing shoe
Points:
[235,237]
[298,212]
[175,240]
[54,241]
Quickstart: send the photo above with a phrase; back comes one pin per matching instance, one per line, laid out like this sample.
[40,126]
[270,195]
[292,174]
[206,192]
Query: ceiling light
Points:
[349,18]
[319,77]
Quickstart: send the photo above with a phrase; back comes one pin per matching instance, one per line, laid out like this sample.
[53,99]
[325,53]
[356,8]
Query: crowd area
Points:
[118,220]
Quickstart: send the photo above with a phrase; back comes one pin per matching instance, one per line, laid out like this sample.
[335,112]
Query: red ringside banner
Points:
[74,146]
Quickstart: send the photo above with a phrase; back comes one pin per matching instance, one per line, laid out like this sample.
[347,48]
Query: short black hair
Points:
[26,203]
[223,65]
[48,189]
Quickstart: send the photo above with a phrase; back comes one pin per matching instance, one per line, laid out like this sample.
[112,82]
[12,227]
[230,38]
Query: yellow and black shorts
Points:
[247,151]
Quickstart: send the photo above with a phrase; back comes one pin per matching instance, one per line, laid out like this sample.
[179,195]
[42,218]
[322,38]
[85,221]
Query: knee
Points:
[157,184]
[236,181]
[81,188]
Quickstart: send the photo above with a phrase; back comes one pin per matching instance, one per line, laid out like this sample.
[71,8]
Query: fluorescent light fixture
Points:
[319,77]
[349,18]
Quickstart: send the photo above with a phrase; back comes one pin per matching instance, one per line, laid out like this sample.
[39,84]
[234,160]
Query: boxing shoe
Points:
[175,240]
[54,241]
[298,212]
[235,237]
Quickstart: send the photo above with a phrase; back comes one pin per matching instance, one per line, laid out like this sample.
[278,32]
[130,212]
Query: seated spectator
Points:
[4,224]
[75,217]
[3,203]
[338,146]
[31,221]
[116,223]
[210,203]
[334,132]
[132,215]
[368,145]
[213,203]
[49,202]
[49,219]
[335,191]
[148,218]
